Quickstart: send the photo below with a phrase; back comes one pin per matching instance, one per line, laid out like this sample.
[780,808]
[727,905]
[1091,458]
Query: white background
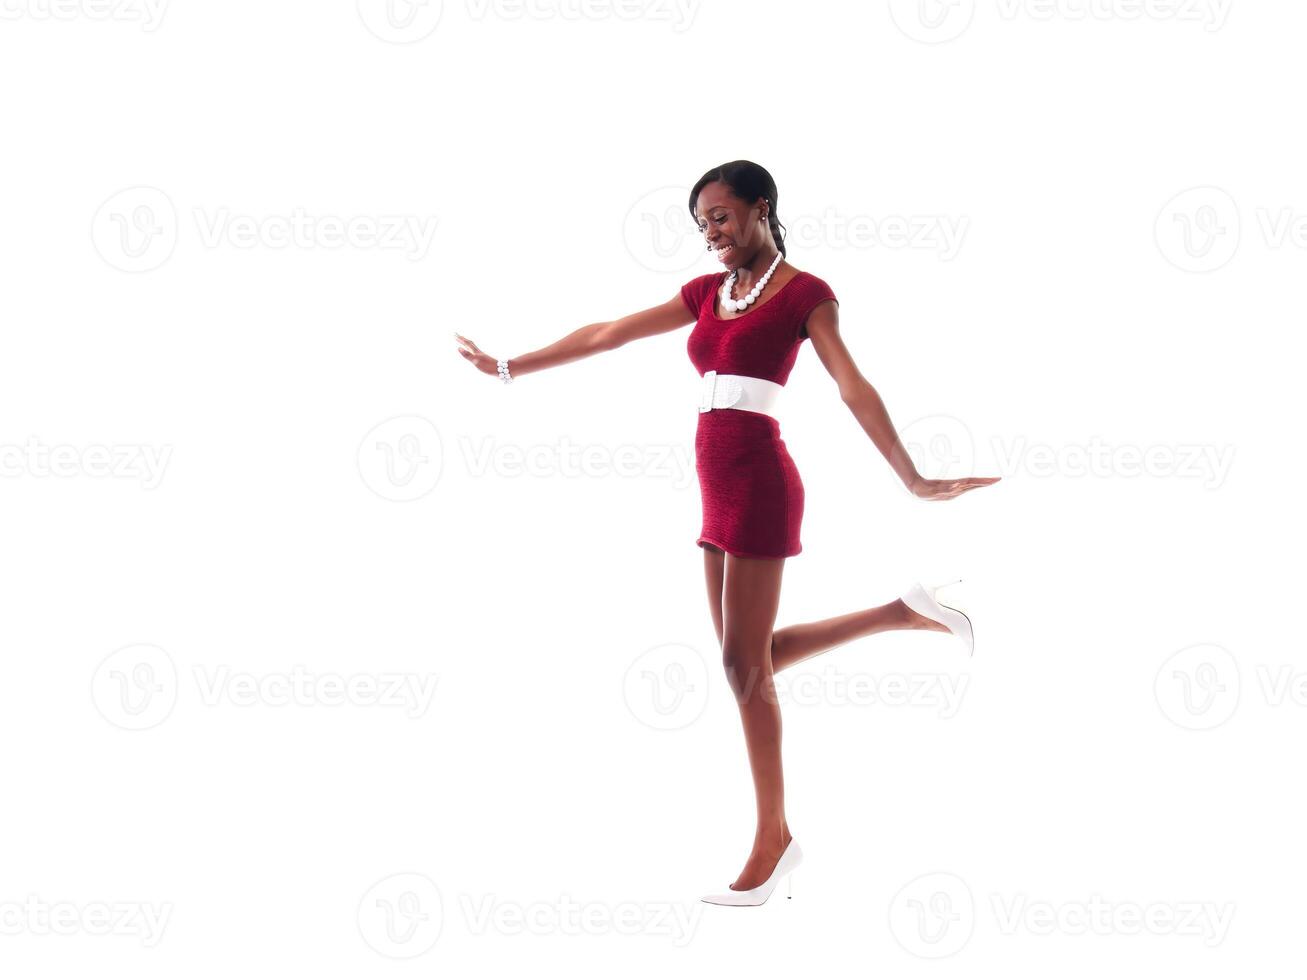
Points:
[1123,735]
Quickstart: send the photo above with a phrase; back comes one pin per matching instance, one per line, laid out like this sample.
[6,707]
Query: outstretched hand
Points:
[947,489]
[471,352]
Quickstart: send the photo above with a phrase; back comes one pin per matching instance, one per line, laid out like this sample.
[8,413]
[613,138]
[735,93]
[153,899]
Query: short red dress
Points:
[751,492]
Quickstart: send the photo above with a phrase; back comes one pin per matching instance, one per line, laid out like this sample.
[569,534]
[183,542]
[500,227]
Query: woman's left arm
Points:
[865,403]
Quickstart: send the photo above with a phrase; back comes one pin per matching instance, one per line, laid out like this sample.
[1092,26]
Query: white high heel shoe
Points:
[921,599]
[788,861]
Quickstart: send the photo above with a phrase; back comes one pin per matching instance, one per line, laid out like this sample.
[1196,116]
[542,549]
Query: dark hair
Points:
[748,181]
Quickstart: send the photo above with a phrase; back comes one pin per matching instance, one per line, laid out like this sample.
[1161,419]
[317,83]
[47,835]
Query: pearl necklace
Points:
[735,305]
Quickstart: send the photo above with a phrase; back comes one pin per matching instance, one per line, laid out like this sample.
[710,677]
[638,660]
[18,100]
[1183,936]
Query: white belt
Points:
[738,391]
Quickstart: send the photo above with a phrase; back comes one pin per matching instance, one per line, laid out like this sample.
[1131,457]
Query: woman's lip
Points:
[722,254]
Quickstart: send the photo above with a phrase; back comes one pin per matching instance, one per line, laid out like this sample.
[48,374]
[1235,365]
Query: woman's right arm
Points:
[593,338]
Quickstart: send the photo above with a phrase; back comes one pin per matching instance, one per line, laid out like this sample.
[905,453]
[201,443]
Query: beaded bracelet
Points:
[504,376]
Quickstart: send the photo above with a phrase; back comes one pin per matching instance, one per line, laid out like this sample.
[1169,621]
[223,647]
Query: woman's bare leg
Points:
[751,592]
[743,596]
[795,643]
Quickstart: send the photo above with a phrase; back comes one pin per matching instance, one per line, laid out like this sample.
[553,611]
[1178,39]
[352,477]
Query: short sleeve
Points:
[694,292]
[815,293]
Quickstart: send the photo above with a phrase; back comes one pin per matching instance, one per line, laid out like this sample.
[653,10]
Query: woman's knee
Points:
[748,670]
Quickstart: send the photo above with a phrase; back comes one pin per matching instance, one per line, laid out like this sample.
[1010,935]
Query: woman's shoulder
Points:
[813,284]
[808,295]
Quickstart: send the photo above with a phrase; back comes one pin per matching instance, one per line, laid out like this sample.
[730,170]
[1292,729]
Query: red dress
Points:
[751,492]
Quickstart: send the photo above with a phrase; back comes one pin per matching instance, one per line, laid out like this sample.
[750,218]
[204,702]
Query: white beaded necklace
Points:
[735,305]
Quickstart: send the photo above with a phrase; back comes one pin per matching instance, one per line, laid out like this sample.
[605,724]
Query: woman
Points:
[750,489]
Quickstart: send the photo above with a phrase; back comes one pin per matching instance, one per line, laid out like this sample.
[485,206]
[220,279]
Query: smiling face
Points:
[734,229]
